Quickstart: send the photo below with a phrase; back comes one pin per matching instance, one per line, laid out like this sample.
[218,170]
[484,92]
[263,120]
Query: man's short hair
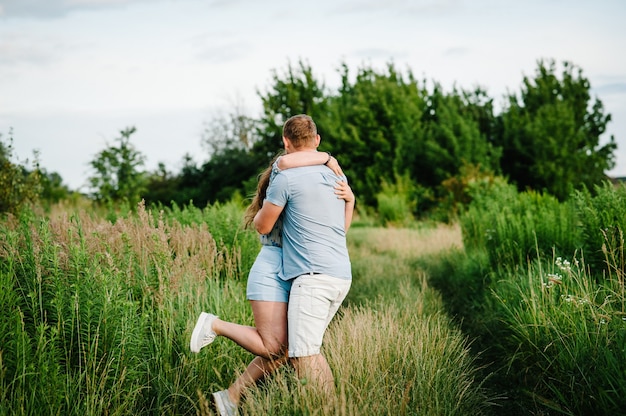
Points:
[300,129]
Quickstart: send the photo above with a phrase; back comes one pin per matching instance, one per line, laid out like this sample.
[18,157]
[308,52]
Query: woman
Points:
[267,292]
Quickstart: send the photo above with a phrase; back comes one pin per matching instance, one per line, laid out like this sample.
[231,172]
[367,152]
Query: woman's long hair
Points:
[259,196]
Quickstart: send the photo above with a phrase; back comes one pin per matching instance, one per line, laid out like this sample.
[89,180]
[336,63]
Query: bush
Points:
[602,220]
[555,331]
[516,227]
[567,336]
[395,205]
[18,186]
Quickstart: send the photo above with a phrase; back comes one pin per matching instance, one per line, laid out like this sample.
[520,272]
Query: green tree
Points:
[230,131]
[551,133]
[456,130]
[370,124]
[229,141]
[225,174]
[386,125]
[296,91]
[117,175]
[52,187]
[188,186]
[18,186]
[161,186]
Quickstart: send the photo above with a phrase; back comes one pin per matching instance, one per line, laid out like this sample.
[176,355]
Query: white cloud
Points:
[83,69]
[46,9]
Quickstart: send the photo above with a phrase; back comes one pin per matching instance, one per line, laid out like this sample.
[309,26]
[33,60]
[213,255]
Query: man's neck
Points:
[302,149]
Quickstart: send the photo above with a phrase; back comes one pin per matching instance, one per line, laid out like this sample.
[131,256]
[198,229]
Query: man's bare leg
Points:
[315,369]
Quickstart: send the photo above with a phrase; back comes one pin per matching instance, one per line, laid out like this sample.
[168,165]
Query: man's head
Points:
[300,133]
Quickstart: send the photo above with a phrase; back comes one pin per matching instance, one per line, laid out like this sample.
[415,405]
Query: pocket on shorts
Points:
[312,300]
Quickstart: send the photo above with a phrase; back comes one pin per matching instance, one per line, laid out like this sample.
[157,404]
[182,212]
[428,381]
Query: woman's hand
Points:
[298,159]
[334,166]
[343,191]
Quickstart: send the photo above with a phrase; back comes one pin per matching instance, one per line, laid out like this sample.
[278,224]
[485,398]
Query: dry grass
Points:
[168,249]
[388,359]
[406,243]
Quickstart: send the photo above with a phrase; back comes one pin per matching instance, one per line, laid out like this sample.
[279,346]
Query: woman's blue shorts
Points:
[264,282]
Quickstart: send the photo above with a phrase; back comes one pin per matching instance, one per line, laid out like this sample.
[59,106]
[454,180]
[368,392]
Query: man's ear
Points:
[317,140]
[285,143]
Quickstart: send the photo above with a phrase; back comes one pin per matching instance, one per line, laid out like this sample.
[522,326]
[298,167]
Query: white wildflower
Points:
[555,278]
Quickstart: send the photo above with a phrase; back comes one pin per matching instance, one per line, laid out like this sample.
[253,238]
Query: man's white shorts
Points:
[313,302]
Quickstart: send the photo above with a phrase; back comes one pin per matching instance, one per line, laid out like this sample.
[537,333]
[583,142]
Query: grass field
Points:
[96,318]
[96,311]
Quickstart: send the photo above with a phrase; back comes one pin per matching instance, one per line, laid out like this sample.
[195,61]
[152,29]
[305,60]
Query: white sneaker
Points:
[203,333]
[224,405]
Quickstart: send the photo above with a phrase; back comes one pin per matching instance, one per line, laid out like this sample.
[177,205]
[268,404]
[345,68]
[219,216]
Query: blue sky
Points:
[73,73]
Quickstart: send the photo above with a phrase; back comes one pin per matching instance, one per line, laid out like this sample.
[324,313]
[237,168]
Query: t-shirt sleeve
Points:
[277,192]
[275,169]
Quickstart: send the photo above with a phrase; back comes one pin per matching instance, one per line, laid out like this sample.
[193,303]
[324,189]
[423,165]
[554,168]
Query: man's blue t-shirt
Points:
[314,237]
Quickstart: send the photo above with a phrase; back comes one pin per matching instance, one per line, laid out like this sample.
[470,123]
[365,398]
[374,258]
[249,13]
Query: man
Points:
[315,255]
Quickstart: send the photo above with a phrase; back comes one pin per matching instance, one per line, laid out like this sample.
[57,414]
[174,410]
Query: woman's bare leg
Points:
[268,341]
[258,368]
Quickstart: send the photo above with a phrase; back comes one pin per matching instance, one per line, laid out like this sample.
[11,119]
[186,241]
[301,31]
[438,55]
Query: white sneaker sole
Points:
[222,407]
[197,333]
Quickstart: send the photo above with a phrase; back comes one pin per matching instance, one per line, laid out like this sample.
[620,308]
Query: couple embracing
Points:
[302,210]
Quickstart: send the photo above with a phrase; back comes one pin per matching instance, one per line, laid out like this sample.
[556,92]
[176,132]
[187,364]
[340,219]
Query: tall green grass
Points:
[551,324]
[395,203]
[387,360]
[602,222]
[516,227]
[96,313]
[567,336]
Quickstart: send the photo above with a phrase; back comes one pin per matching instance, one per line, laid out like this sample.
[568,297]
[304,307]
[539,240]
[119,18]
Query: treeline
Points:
[24,182]
[395,136]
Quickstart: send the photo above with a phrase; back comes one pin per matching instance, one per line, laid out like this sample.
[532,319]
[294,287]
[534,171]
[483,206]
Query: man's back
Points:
[314,238]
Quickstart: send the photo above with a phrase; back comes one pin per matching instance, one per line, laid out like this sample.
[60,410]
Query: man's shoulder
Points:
[304,170]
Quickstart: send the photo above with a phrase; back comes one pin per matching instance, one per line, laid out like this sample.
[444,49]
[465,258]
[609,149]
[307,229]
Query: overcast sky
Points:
[73,73]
